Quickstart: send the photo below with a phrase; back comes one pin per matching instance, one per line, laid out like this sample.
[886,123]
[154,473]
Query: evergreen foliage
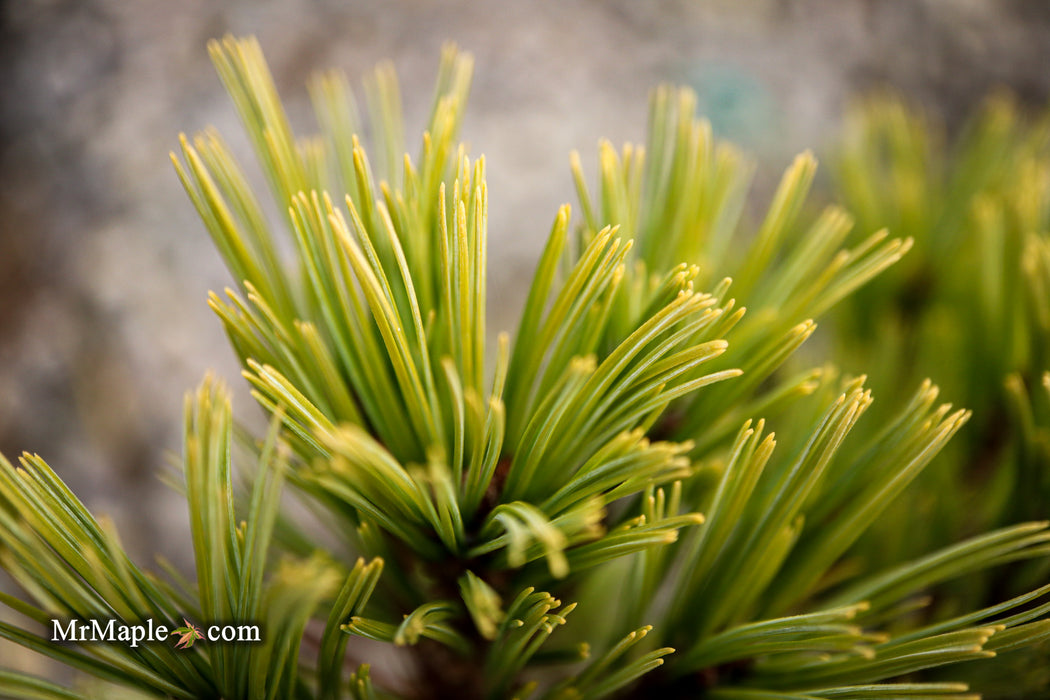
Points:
[970,305]
[604,509]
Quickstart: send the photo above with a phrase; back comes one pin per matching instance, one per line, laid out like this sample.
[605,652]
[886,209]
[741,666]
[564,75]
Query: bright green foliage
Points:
[967,308]
[74,567]
[602,512]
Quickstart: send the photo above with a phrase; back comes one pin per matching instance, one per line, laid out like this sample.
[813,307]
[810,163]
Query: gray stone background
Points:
[104,267]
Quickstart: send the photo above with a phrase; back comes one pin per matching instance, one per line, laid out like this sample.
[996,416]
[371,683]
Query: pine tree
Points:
[601,510]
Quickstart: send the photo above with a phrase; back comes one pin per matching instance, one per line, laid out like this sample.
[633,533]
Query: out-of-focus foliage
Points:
[969,307]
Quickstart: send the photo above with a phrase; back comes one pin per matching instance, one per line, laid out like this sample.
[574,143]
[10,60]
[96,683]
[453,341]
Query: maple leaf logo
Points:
[187,635]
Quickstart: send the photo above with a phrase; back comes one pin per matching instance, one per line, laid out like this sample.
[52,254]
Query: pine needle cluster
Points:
[596,508]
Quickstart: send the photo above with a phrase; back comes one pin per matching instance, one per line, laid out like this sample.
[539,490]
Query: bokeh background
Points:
[104,267]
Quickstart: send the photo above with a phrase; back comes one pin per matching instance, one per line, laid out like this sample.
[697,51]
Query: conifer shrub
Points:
[598,506]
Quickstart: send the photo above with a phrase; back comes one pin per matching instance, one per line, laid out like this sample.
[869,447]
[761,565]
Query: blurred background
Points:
[104,267]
